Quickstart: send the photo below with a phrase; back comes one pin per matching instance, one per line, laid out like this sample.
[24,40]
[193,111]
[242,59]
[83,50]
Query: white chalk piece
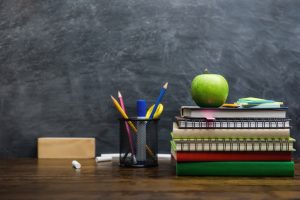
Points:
[76,164]
[103,158]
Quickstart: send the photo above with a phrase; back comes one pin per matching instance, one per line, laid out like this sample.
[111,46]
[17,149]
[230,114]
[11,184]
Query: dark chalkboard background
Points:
[61,60]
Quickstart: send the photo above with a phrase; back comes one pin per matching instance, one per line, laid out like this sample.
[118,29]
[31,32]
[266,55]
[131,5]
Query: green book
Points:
[235,169]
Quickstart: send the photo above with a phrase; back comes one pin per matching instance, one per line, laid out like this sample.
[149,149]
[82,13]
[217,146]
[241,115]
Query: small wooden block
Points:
[66,147]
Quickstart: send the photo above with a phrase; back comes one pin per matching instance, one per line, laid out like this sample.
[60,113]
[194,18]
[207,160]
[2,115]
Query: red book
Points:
[184,156]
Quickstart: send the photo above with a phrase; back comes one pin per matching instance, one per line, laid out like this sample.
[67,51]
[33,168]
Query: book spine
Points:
[255,123]
[233,146]
[232,156]
[230,113]
[231,133]
[235,169]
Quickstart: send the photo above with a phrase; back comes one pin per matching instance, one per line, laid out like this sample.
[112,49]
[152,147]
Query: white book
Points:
[229,133]
[197,112]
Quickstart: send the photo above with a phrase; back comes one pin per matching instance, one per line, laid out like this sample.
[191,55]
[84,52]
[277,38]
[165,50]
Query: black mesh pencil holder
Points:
[138,142]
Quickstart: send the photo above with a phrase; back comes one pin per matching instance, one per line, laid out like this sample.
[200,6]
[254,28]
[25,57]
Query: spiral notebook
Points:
[233,144]
[240,123]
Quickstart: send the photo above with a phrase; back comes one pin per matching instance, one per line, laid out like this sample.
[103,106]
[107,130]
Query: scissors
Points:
[157,113]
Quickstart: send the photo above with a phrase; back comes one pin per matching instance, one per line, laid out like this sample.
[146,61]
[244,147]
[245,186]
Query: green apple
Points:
[209,90]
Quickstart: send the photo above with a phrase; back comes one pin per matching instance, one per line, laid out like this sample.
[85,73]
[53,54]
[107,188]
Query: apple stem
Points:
[206,71]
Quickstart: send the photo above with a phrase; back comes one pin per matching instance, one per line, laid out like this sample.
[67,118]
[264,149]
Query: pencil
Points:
[126,123]
[160,97]
[122,112]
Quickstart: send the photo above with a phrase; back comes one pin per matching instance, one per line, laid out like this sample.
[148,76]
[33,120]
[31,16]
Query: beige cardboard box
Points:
[66,147]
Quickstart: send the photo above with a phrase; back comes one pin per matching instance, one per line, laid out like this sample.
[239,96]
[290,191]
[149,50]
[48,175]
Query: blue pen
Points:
[161,95]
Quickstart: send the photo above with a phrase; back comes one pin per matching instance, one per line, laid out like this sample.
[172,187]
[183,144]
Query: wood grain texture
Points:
[56,179]
[66,147]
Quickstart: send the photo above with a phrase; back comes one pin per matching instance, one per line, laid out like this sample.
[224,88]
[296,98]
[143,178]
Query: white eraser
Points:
[103,158]
[76,164]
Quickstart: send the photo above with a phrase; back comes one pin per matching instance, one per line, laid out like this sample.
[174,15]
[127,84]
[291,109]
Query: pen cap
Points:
[141,108]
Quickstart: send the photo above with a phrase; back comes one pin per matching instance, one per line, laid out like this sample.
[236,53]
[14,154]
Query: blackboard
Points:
[61,60]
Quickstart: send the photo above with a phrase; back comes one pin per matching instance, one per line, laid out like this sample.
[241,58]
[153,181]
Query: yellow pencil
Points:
[122,112]
[124,115]
[230,105]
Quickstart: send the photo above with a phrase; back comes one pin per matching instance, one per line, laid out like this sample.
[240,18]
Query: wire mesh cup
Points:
[138,142]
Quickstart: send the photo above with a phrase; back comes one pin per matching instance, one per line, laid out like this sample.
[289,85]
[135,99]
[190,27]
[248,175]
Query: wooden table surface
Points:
[56,179]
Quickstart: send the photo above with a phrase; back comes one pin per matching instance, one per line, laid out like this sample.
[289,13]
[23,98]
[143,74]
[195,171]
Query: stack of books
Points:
[232,142]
